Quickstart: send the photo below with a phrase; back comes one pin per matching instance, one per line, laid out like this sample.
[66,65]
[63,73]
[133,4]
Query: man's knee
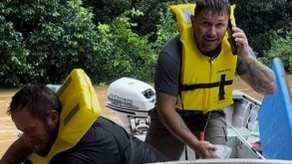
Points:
[216,131]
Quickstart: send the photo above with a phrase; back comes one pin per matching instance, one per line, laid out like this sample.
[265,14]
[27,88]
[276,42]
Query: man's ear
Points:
[54,117]
[192,17]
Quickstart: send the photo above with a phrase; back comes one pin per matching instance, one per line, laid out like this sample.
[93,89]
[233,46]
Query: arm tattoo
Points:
[241,68]
[259,75]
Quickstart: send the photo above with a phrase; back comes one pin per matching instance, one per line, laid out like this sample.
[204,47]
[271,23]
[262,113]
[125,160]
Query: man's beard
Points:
[53,135]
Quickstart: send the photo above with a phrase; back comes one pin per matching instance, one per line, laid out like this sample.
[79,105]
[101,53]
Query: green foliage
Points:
[281,47]
[48,39]
[106,11]
[147,23]
[122,52]
[67,43]
[14,68]
[167,28]
[259,18]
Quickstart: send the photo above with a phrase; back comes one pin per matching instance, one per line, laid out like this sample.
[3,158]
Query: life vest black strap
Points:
[204,86]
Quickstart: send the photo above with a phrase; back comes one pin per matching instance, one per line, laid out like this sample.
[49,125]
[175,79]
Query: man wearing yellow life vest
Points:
[38,112]
[193,80]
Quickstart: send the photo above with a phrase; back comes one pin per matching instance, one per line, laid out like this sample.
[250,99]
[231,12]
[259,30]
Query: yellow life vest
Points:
[80,109]
[206,84]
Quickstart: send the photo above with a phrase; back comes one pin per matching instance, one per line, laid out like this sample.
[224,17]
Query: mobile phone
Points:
[231,39]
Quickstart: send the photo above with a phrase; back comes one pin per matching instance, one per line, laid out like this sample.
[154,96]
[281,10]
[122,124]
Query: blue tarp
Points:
[275,118]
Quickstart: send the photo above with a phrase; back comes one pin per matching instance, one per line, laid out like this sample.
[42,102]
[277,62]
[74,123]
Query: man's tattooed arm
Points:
[258,76]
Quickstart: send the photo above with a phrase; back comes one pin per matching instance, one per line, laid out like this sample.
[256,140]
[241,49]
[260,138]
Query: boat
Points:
[258,132]
[132,100]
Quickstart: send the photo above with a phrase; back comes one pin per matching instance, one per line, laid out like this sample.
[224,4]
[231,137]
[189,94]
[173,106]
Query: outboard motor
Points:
[132,100]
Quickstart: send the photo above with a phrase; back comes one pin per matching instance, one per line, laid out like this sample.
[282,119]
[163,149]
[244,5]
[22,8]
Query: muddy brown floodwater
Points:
[8,132]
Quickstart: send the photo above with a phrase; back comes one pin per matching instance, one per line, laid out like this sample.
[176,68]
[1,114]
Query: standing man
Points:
[193,80]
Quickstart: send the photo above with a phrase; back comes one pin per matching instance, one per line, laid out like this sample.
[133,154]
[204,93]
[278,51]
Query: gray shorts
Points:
[171,147]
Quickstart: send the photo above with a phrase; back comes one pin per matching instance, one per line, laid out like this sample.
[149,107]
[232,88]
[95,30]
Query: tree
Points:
[14,68]
[281,41]
[123,52]
[260,18]
[105,11]
[48,33]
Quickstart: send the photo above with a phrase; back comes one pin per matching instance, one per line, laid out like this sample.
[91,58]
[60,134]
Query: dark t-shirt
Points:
[167,75]
[108,143]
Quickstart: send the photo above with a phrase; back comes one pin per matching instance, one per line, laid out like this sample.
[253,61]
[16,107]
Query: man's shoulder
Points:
[171,50]
[104,128]
[98,144]
[172,45]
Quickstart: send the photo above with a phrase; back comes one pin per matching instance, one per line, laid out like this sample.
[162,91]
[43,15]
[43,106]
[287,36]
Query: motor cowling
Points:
[132,100]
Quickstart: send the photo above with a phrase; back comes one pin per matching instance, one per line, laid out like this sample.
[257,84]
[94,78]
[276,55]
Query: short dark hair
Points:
[37,99]
[215,6]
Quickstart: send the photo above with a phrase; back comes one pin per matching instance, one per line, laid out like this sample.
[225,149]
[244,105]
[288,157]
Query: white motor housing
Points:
[132,100]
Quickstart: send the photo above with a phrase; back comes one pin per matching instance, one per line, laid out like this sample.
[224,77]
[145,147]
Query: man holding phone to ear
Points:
[193,80]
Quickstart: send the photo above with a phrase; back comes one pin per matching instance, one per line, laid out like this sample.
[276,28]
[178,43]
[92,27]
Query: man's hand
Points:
[242,44]
[206,150]
[260,77]
[17,153]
